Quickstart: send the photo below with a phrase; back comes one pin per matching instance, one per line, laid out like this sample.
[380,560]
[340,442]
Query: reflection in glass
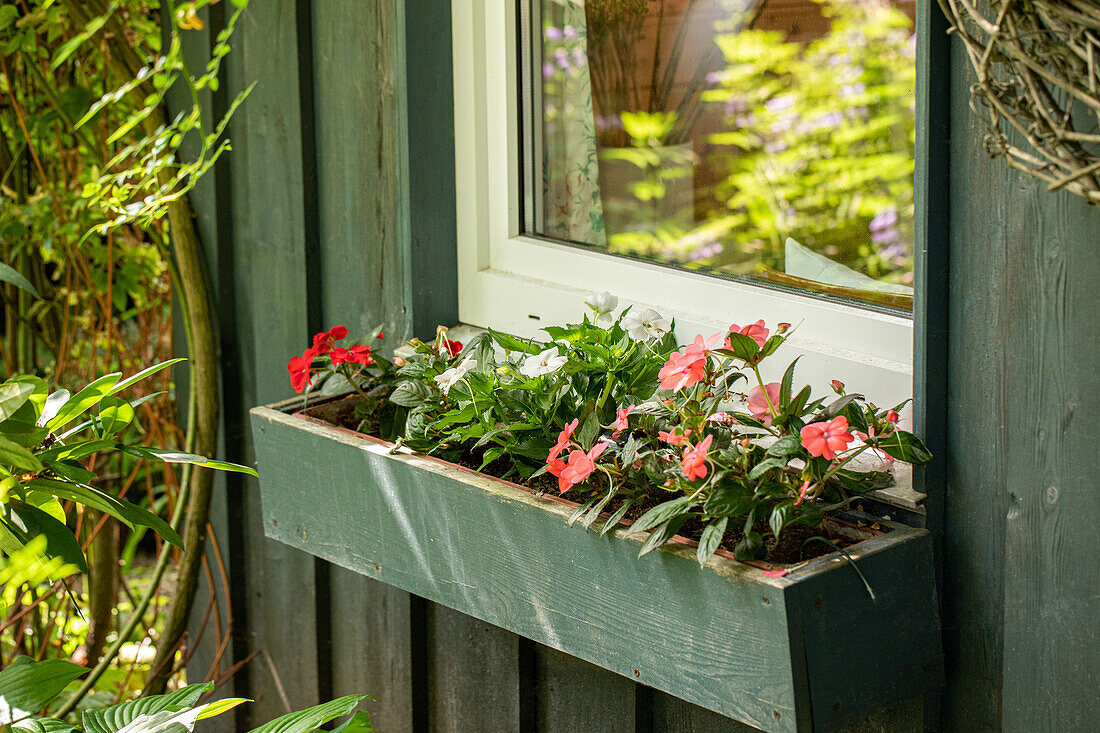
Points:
[768,139]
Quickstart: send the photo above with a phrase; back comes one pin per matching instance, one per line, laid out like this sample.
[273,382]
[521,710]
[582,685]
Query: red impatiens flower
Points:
[827,438]
[580,466]
[452,347]
[325,340]
[301,370]
[682,370]
[756,331]
[358,354]
[694,464]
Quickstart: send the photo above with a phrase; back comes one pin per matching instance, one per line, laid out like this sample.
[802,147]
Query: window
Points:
[665,225]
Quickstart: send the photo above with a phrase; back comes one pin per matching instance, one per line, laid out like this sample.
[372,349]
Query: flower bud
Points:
[837,386]
[782,328]
[892,416]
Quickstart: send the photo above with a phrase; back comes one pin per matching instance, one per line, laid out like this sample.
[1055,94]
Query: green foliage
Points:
[27,686]
[41,465]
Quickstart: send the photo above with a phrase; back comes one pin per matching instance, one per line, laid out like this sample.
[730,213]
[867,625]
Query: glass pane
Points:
[771,140]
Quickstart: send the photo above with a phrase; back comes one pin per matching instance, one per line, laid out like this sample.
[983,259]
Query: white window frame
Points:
[519,284]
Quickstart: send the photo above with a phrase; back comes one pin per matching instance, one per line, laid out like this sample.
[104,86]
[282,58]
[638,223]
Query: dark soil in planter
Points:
[793,546]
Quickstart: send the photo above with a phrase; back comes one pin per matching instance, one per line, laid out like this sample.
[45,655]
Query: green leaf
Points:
[12,396]
[712,537]
[743,347]
[588,430]
[14,455]
[786,386]
[903,446]
[114,416]
[766,465]
[9,274]
[129,514]
[410,393]
[748,420]
[357,723]
[613,521]
[780,517]
[751,547]
[25,521]
[43,725]
[661,535]
[662,513]
[308,720]
[116,717]
[27,685]
[176,457]
[835,407]
[729,500]
[511,343]
[147,372]
[788,445]
[83,400]
[217,707]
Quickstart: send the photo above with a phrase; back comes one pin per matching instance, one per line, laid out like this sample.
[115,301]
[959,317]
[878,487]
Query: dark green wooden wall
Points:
[328,210]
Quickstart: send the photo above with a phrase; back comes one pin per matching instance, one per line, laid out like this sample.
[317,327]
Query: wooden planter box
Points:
[808,651]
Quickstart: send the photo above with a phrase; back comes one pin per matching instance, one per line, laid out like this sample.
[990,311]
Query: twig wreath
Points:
[1038,69]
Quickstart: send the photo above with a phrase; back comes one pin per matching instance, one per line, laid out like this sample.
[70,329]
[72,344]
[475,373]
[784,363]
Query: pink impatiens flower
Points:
[580,466]
[564,437]
[674,437]
[758,403]
[756,331]
[827,438]
[682,370]
[802,492]
[694,464]
[621,420]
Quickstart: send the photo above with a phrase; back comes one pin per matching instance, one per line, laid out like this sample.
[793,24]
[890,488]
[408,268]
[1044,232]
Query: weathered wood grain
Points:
[269,309]
[574,695]
[507,557]
[472,674]
[672,715]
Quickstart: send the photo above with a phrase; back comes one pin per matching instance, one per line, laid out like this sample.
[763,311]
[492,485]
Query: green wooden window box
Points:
[808,651]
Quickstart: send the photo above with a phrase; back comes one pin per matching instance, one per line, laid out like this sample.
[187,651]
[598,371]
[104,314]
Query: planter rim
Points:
[722,562]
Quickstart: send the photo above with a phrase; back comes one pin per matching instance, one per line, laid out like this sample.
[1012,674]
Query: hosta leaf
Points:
[147,372]
[115,717]
[9,274]
[308,720]
[357,723]
[176,457]
[712,537]
[28,686]
[43,725]
[114,416]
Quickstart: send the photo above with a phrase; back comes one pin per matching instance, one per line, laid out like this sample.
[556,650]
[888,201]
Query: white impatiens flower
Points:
[547,362]
[603,303]
[452,376]
[646,324]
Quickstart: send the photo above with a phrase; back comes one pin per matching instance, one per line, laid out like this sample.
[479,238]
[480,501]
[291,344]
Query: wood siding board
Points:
[270,312]
[1051,603]
[472,674]
[673,715]
[370,654]
[973,590]
[360,152]
[574,695]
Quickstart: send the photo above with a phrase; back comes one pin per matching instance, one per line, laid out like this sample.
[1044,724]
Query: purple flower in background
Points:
[553,33]
[562,58]
[735,106]
[776,105]
[579,56]
[852,90]
[548,69]
[885,219]
[884,233]
[570,32]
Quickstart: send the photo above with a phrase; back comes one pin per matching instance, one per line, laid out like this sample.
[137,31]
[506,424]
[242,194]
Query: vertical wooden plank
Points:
[973,595]
[472,674]
[371,647]
[574,695]
[362,197]
[1051,648]
[672,715]
[269,311]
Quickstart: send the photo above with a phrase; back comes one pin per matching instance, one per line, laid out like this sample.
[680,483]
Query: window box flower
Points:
[807,649]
